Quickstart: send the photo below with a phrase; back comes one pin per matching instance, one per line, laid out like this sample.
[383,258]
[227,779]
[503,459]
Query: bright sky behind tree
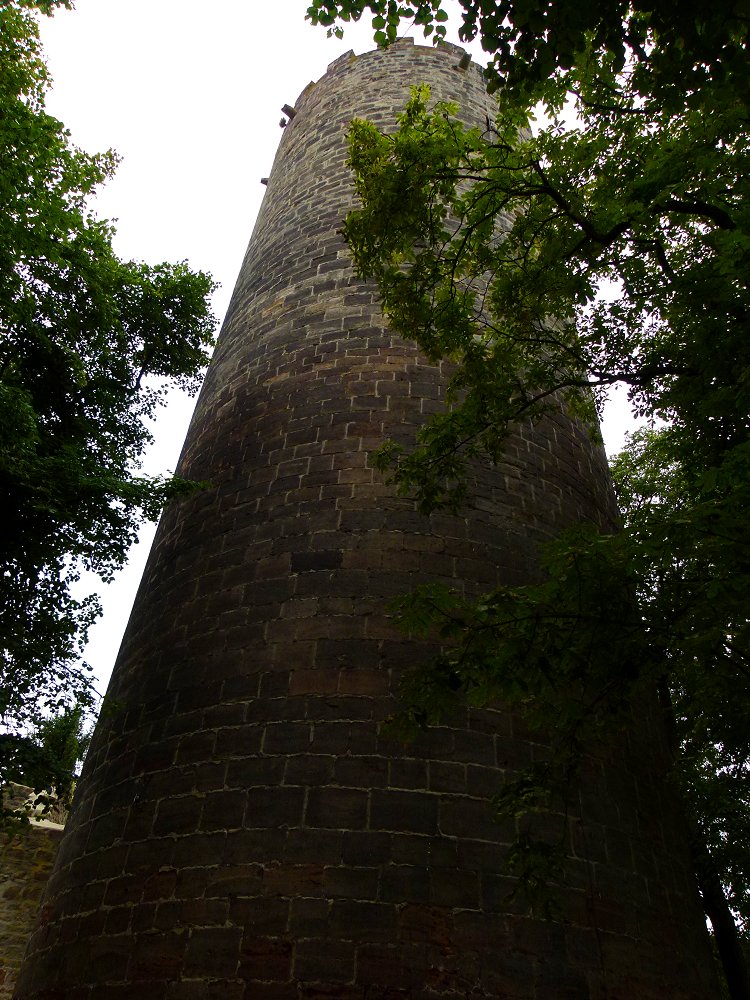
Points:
[189,93]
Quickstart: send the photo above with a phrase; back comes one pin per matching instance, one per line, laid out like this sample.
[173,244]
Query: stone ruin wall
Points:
[26,859]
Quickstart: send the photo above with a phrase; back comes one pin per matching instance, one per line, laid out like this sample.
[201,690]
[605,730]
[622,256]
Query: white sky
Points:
[189,93]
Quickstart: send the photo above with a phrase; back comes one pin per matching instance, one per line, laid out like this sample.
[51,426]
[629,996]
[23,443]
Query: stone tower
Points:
[243,828]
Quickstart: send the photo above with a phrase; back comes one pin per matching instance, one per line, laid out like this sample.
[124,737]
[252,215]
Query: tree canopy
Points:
[89,344]
[628,223]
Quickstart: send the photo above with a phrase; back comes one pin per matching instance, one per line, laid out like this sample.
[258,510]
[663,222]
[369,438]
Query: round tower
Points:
[243,827]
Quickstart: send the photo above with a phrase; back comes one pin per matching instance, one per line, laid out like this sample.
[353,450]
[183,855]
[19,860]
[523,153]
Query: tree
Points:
[89,345]
[49,758]
[630,226]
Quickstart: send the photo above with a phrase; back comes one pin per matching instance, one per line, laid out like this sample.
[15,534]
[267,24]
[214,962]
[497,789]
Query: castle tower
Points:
[243,828]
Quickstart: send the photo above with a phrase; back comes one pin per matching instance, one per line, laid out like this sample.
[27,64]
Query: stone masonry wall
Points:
[243,827]
[25,864]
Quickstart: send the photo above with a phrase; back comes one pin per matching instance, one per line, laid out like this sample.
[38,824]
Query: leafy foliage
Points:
[676,49]
[89,344]
[386,16]
[48,760]
[629,225]
[690,553]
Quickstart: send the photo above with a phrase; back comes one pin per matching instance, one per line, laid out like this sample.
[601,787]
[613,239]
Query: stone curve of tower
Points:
[243,828]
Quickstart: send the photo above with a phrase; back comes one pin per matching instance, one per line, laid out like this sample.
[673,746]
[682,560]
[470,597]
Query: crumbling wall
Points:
[26,859]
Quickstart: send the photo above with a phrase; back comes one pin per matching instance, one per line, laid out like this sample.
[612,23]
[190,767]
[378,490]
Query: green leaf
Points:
[89,344]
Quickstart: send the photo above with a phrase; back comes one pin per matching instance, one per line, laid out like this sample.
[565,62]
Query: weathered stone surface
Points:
[249,829]
[25,863]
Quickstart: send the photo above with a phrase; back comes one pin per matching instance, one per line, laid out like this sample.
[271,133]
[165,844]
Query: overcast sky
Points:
[189,93]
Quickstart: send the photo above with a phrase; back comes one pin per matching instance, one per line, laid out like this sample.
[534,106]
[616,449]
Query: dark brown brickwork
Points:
[244,829]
